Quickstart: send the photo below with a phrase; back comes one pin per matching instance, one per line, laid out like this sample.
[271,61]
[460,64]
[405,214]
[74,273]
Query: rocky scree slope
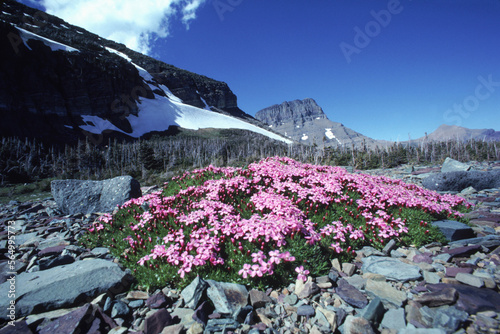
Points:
[305,122]
[44,89]
[433,289]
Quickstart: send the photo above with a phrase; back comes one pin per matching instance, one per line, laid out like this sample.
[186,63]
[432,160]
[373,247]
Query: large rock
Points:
[227,297]
[193,293]
[390,296]
[454,230]
[457,181]
[350,294]
[392,269]
[79,320]
[451,165]
[63,286]
[471,299]
[354,325]
[489,241]
[80,196]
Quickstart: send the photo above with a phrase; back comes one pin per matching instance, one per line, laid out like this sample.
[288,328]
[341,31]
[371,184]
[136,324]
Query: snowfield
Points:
[159,113]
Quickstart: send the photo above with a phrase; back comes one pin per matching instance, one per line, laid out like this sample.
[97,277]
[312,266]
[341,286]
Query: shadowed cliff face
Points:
[305,121]
[44,90]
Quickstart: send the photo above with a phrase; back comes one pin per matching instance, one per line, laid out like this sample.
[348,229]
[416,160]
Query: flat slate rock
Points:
[80,320]
[489,241]
[81,196]
[454,230]
[63,286]
[472,299]
[392,269]
[350,294]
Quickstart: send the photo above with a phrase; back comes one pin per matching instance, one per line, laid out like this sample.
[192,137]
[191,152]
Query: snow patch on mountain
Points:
[170,95]
[207,107]
[121,54]
[142,72]
[54,46]
[159,113]
[329,134]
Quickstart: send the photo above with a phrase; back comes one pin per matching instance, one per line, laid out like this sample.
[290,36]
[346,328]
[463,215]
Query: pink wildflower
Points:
[245,271]
[274,257]
[287,257]
[142,260]
[302,273]
[256,271]
[258,257]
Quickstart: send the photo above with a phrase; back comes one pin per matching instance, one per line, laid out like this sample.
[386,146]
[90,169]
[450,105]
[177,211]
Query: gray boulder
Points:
[81,196]
[63,286]
[193,293]
[454,230]
[451,165]
[457,181]
[227,297]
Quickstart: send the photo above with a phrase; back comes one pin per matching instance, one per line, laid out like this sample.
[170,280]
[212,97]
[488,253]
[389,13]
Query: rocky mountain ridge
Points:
[53,73]
[306,122]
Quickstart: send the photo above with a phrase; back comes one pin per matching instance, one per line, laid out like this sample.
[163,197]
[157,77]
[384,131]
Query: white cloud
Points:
[134,23]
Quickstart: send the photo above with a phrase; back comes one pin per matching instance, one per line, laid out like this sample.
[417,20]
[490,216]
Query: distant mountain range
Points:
[453,132]
[304,121]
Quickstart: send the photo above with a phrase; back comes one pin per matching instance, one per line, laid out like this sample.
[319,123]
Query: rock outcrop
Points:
[305,122]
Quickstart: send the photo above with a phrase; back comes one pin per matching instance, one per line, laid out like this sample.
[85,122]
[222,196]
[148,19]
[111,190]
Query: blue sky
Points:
[385,68]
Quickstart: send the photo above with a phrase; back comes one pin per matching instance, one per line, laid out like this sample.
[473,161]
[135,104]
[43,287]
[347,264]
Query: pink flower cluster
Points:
[264,205]
[262,267]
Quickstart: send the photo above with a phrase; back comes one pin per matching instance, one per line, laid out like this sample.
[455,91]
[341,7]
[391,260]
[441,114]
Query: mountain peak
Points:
[296,111]
[305,121]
